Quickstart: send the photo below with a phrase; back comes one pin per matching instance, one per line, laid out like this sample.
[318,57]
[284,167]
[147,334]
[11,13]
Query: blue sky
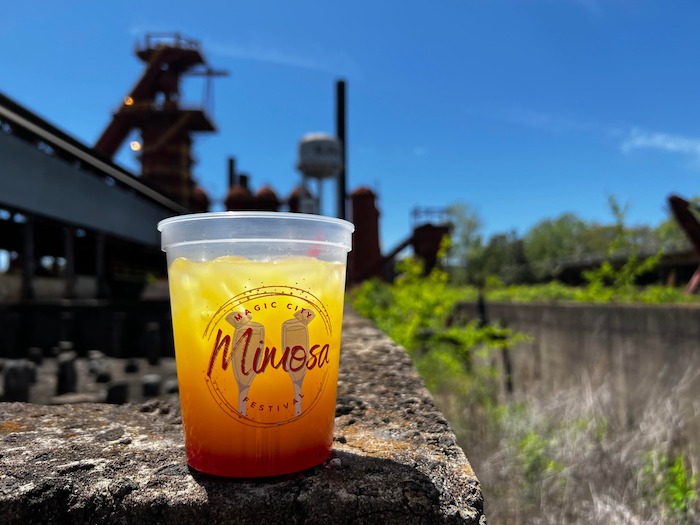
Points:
[522,109]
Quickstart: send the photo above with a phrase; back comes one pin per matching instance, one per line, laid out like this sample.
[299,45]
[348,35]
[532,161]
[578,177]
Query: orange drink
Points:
[257,339]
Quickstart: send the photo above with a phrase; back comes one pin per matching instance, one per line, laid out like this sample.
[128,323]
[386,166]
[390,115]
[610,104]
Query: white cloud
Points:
[263,54]
[629,139]
[546,121]
[639,139]
[320,60]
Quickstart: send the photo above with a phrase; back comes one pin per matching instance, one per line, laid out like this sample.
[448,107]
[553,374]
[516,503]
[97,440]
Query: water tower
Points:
[319,158]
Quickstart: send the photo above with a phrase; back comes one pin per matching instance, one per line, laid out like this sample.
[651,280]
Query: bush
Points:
[563,459]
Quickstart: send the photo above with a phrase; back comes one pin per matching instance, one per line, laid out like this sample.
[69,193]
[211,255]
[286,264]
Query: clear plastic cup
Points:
[257,306]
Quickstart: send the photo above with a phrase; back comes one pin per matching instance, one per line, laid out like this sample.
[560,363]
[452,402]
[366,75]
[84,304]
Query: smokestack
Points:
[232,172]
[340,134]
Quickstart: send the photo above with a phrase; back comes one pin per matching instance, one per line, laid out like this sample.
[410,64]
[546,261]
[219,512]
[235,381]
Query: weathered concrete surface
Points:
[395,459]
[641,353]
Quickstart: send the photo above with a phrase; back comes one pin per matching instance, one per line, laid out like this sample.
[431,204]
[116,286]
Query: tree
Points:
[554,242]
[551,240]
[466,242]
[503,257]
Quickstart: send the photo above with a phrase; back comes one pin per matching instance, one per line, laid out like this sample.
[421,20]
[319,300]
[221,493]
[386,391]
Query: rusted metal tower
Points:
[153,107]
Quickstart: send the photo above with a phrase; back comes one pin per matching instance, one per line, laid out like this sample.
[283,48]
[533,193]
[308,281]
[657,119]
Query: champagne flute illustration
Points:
[295,332]
[248,337]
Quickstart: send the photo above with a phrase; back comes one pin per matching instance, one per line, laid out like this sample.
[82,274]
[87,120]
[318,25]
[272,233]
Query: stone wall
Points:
[640,353]
[395,459]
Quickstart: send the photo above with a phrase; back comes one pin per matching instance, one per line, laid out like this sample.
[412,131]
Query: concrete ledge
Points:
[395,459]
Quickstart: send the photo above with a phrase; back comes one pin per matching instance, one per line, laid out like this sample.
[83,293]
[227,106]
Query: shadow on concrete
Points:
[347,488]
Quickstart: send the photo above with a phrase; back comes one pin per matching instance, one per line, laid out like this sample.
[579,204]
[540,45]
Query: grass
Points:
[569,458]
[565,456]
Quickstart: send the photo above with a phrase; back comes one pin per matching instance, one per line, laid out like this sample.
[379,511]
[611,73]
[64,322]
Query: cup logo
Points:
[269,355]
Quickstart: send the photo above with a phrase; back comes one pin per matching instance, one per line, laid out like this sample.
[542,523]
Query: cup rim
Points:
[277,215]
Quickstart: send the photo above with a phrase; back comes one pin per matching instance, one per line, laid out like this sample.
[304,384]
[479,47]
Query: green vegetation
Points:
[543,253]
[415,311]
[527,269]
[595,292]
[566,458]
[668,483]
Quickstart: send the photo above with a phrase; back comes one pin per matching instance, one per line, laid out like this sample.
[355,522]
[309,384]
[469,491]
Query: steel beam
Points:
[43,184]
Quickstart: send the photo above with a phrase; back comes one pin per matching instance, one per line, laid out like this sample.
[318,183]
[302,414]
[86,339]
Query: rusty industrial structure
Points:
[686,215]
[67,211]
[69,214]
[153,108]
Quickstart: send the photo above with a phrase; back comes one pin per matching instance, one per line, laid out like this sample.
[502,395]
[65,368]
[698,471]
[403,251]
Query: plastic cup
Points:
[257,306]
